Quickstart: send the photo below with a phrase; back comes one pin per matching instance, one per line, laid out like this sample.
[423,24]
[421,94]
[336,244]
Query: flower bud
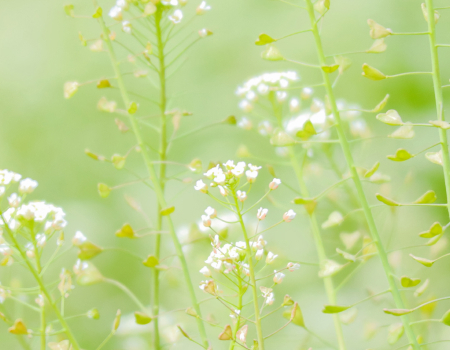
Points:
[211,212]
[93,314]
[205,271]
[242,195]
[261,215]
[259,254]
[293,266]
[278,278]
[270,258]
[201,186]
[206,220]
[203,33]
[274,184]
[202,8]
[289,215]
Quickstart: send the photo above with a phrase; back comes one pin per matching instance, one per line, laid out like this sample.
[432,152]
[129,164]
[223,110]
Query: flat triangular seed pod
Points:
[395,332]
[404,132]
[334,219]
[142,318]
[380,106]
[397,312]
[264,39]
[241,334]
[378,46]
[281,139]
[330,268]
[435,157]
[88,250]
[408,282]
[434,230]
[307,131]
[419,291]
[349,316]
[167,211]
[427,198]
[434,240]
[272,53]
[377,31]
[423,261]
[386,200]
[330,69]
[227,333]
[345,255]
[62,345]
[372,73]
[401,155]
[334,309]
[126,231]
[440,124]
[372,170]
[350,239]
[446,318]
[391,117]
[18,328]
[295,315]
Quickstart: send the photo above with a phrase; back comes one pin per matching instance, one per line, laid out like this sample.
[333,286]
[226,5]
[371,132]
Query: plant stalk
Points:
[359,188]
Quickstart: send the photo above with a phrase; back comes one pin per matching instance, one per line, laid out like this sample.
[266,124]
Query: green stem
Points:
[359,188]
[238,319]
[438,97]
[127,292]
[252,277]
[328,281]
[153,177]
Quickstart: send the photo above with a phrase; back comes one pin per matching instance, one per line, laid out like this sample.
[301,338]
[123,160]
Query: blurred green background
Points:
[43,136]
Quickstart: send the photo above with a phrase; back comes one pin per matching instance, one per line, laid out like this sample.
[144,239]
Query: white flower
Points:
[211,173]
[246,106]
[239,169]
[220,179]
[205,272]
[79,238]
[202,8]
[254,167]
[294,105]
[242,195]
[229,165]
[270,298]
[281,96]
[116,13]
[263,89]
[265,128]
[251,175]
[259,254]
[235,314]
[274,184]
[270,258]
[293,266]
[245,124]
[261,215]
[177,16]
[2,191]
[206,220]
[5,250]
[203,33]
[211,212]
[260,243]
[278,278]
[223,191]
[41,239]
[251,96]
[126,27]
[27,185]
[216,242]
[170,2]
[306,93]
[289,215]
[40,300]
[201,186]
[14,200]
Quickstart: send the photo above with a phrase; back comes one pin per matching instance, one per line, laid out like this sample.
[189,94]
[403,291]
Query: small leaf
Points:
[440,124]
[446,318]
[404,132]
[395,332]
[419,291]
[330,69]
[126,231]
[167,211]
[380,106]
[372,170]
[98,12]
[386,200]
[423,261]
[272,54]
[401,155]
[142,318]
[104,83]
[18,328]
[345,255]
[227,333]
[427,198]
[397,312]
[151,261]
[295,315]
[264,39]
[408,282]
[372,73]
[391,117]
[104,190]
[88,250]
[334,219]
[378,46]
[377,31]
[334,309]
[69,10]
[435,157]
[132,108]
[330,268]
[434,230]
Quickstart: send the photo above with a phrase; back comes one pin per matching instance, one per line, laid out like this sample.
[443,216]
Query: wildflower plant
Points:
[155,37]
[32,235]
[236,264]
[330,122]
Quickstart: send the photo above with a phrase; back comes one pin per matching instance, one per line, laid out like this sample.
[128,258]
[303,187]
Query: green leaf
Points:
[330,69]
[372,73]
[401,155]
[395,332]
[98,12]
[380,106]
[386,200]
[426,198]
[151,261]
[126,231]
[88,250]
[446,318]
[295,314]
[372,170]
[167,211]
[264,39]
[334,309]
[132,108]
[423,261]
[104,190]
[391,117]
[142,318]
[272,54]
[307,131]
[397,312]
[69,10]
[408,282]
[434,230]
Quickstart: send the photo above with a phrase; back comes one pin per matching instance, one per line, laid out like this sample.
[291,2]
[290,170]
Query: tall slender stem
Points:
[438,97]
[359,188]
[153,178]
[42,307]
[251,268]
[238,319]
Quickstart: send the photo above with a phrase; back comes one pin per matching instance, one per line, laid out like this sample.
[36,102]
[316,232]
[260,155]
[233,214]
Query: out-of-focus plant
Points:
[155,35]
